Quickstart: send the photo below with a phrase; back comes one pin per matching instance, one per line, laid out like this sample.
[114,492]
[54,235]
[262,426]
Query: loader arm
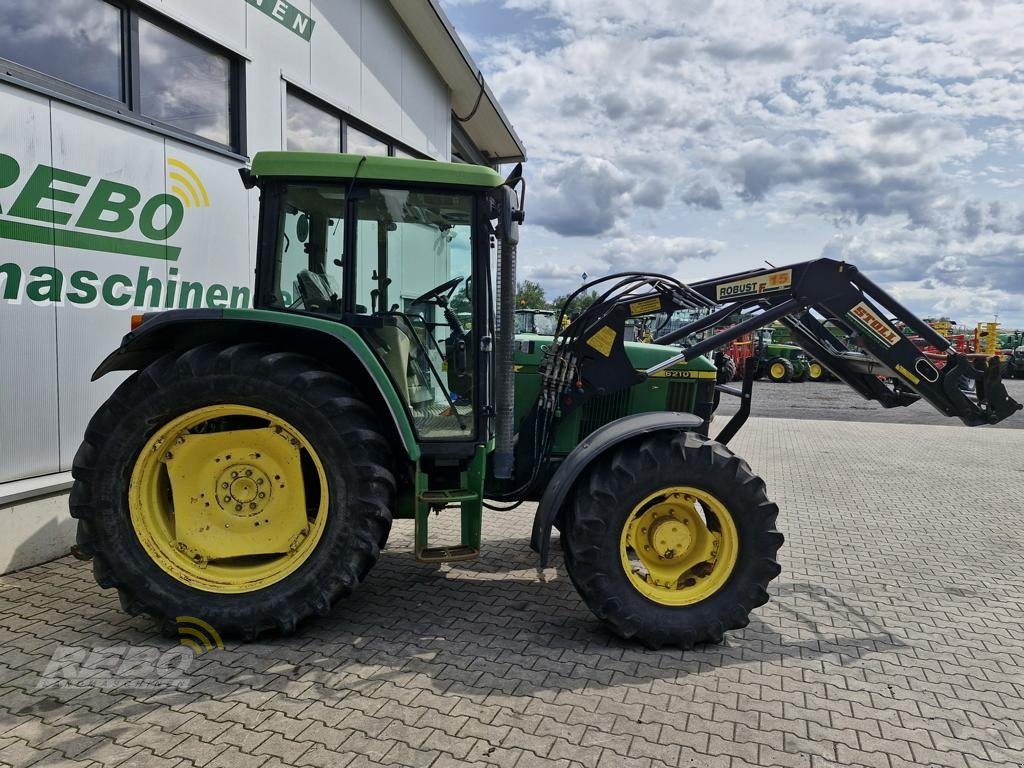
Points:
[589,358]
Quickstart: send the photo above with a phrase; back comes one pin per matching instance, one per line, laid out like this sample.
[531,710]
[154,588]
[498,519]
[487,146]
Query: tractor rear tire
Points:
[607,501]
[780,370]
[345,473]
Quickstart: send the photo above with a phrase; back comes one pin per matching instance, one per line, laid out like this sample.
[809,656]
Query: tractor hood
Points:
[530,351]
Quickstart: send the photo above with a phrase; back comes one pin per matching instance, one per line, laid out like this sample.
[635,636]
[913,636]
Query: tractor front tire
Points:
[817,372]
[641,507]
[191,455]
[780,370]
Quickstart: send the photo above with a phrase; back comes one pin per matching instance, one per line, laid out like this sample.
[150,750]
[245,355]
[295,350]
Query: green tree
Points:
[578,304]
[530,295]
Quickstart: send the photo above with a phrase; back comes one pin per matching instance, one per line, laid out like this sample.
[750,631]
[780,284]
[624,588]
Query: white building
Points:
[122,127]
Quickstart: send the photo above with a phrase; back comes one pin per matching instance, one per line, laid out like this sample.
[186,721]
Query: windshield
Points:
[544,324]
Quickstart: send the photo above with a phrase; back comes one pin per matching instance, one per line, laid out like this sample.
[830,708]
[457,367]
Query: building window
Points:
[315,126]
[80,45]
[121,58]
[311,129]
[359,143]
[184,85]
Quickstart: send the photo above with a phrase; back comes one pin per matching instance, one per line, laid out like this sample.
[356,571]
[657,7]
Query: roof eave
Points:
[490,129]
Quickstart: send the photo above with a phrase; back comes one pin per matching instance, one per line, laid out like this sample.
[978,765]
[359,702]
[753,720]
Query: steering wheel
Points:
[445,290]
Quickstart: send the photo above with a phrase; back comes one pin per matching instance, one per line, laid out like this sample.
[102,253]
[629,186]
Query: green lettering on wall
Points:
[147,218]
[191,295]
[11,273]
[102,202]
[147,286]
[287,15]
[9,171]
[239,297]
[40,187]
[123,296]
[48,285]
[84,283]
[217,295]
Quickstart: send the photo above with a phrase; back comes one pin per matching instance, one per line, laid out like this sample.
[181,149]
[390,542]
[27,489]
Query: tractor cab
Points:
[539,321]
[396,262]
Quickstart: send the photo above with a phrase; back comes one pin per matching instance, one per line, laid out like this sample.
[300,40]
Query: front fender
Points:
[336,345]
[583,455]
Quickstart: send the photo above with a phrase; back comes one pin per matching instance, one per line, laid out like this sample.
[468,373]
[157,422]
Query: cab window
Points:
[310,250]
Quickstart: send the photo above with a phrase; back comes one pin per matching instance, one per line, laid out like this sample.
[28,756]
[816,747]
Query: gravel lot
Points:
[834,401]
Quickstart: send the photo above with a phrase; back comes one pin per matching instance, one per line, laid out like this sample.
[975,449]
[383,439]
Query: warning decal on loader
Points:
[868,319]
[753,286]
[645,307]
[603,340]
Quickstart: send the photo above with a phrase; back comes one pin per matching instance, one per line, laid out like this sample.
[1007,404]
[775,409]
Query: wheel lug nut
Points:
[223,485]
[248,473]
[262,495]
[234,474]
[238,507]
[252,505]
[227,498]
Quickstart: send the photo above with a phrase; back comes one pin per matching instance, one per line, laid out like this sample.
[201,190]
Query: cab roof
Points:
[332,165]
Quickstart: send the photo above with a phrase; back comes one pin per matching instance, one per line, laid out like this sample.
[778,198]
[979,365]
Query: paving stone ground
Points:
[893,638]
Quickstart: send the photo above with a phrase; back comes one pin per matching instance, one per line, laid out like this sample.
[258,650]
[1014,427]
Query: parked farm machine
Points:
[247,472]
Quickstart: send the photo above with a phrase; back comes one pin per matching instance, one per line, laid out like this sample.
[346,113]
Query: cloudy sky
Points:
[699,137]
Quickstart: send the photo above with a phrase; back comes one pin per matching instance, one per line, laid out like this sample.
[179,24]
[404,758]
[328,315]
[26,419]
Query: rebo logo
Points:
[98,222]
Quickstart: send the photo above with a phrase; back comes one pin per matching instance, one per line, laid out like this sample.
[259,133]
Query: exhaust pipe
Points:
[504,383]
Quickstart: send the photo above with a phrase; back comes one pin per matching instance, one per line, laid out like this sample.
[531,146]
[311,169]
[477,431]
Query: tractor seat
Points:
[318,292]
[394,348]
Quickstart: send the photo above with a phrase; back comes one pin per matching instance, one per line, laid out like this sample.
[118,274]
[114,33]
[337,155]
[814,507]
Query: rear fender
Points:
[336,345]
[559,489]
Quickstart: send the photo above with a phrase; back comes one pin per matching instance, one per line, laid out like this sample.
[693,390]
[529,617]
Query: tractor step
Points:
[434,500]
[447,554]
[450,496]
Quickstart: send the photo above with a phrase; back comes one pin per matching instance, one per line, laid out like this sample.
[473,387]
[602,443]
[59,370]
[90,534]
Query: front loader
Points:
[247,472]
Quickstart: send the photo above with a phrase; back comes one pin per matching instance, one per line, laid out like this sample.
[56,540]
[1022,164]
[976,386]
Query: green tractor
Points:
[779,362]
[248,470]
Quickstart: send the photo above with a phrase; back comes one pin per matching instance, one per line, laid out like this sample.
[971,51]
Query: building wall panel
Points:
[383,49]
[28,374]
[101,149]
[335,48]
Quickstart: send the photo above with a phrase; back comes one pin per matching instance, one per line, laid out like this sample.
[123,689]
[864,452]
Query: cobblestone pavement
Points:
[893,638]
[834,401]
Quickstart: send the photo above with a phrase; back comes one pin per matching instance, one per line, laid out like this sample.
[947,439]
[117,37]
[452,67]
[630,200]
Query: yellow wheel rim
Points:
[778,370]
[679,546]
[816,370]
[228,498]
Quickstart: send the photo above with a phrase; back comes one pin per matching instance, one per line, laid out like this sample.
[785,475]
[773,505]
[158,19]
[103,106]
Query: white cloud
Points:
[895,127]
